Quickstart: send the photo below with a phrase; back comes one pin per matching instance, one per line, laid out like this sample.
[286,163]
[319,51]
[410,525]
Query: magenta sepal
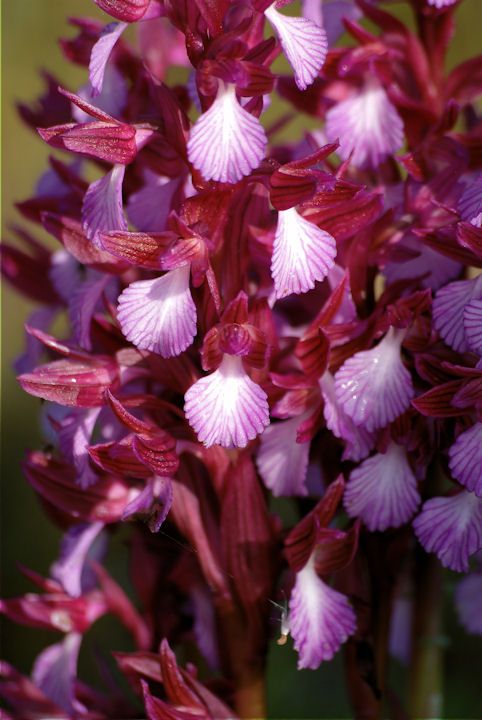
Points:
[114,142]
[73,382]
[125,10]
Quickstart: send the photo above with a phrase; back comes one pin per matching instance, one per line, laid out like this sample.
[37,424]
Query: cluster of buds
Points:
[252,319]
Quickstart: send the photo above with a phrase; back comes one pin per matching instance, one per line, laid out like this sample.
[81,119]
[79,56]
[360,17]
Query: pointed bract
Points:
[382,491]
[451,527]
[226,142]
[227,408]
[466,459]
[159,315]
[302,254]
[366,124]
[304,43]
[320,618]
[373,386]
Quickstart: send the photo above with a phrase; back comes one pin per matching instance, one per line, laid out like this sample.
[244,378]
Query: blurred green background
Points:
[30,30]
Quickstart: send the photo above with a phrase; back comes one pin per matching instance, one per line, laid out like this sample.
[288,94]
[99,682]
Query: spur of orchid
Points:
[254,313]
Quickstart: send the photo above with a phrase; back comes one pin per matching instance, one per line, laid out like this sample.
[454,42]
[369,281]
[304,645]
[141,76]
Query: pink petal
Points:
[333,14]
[367,124]
[304,43]
[448,310]
[111,100]
[101,52]
[68,570]
[374,387]
[102,205]
[467,603]
[302,254]
[148,208]
[441,3]
[281,461]
[75,435]
[82,304]
[451,527]
[55,670]
[382,491]
[466,459]
[226,142]
[473,325]
[359,441]
[159,315]
[470,203]
[227,408]
[320,618]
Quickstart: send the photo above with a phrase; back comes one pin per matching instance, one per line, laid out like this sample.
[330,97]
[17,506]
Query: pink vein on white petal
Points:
[101,52]
[367,124]
[374,387]
[320,618]
[226,407]
[226,142]
[159,315]
[102,205]
[466,459]
[448,310]
[304,43]
[281,461]
[451,527]
[382,491]
[473,325]
[302,254]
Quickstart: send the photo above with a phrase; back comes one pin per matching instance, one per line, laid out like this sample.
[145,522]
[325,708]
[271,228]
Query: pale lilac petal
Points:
[112,99]
[466,459]
[448,310]
[55,670]
[304,43]
[281,461]
[347,310]
[102,205]
[367,124]
[358,440]
[302,254]
[65,273]
[382,491]
[320,618]
[473,325]
[439,269]
[470,202]
[40,319]
[333,14]
[374,387]
[69,569]
[400,640]
[75,434]
[101,53]
[159,315]
[152,503]
[227,408]
[441,3]
[468,603]
[205,625]
[82,304]
[226,142]
[451,527]
[148,208]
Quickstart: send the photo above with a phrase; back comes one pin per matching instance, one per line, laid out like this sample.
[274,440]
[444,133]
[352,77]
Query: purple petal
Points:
[65,273]
[440,269]
[441,3]
[159,315]
[205,626]
[400,641]
[451,527]
[82,304]
[112,99]
[227,408]
[373,386]
[282,462]
[320,618]
[226,142]
[69,568]
[304,43]
[382,491]
[55,670]
[75,435]
[366,124]
[40,319]
[101,52]
[470,203]
[359,441]
[152,503]
[102,206]
[333,14]
[302,254]
[148,208]
[466,459]
[467,603]
[473,325]
[448,310]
